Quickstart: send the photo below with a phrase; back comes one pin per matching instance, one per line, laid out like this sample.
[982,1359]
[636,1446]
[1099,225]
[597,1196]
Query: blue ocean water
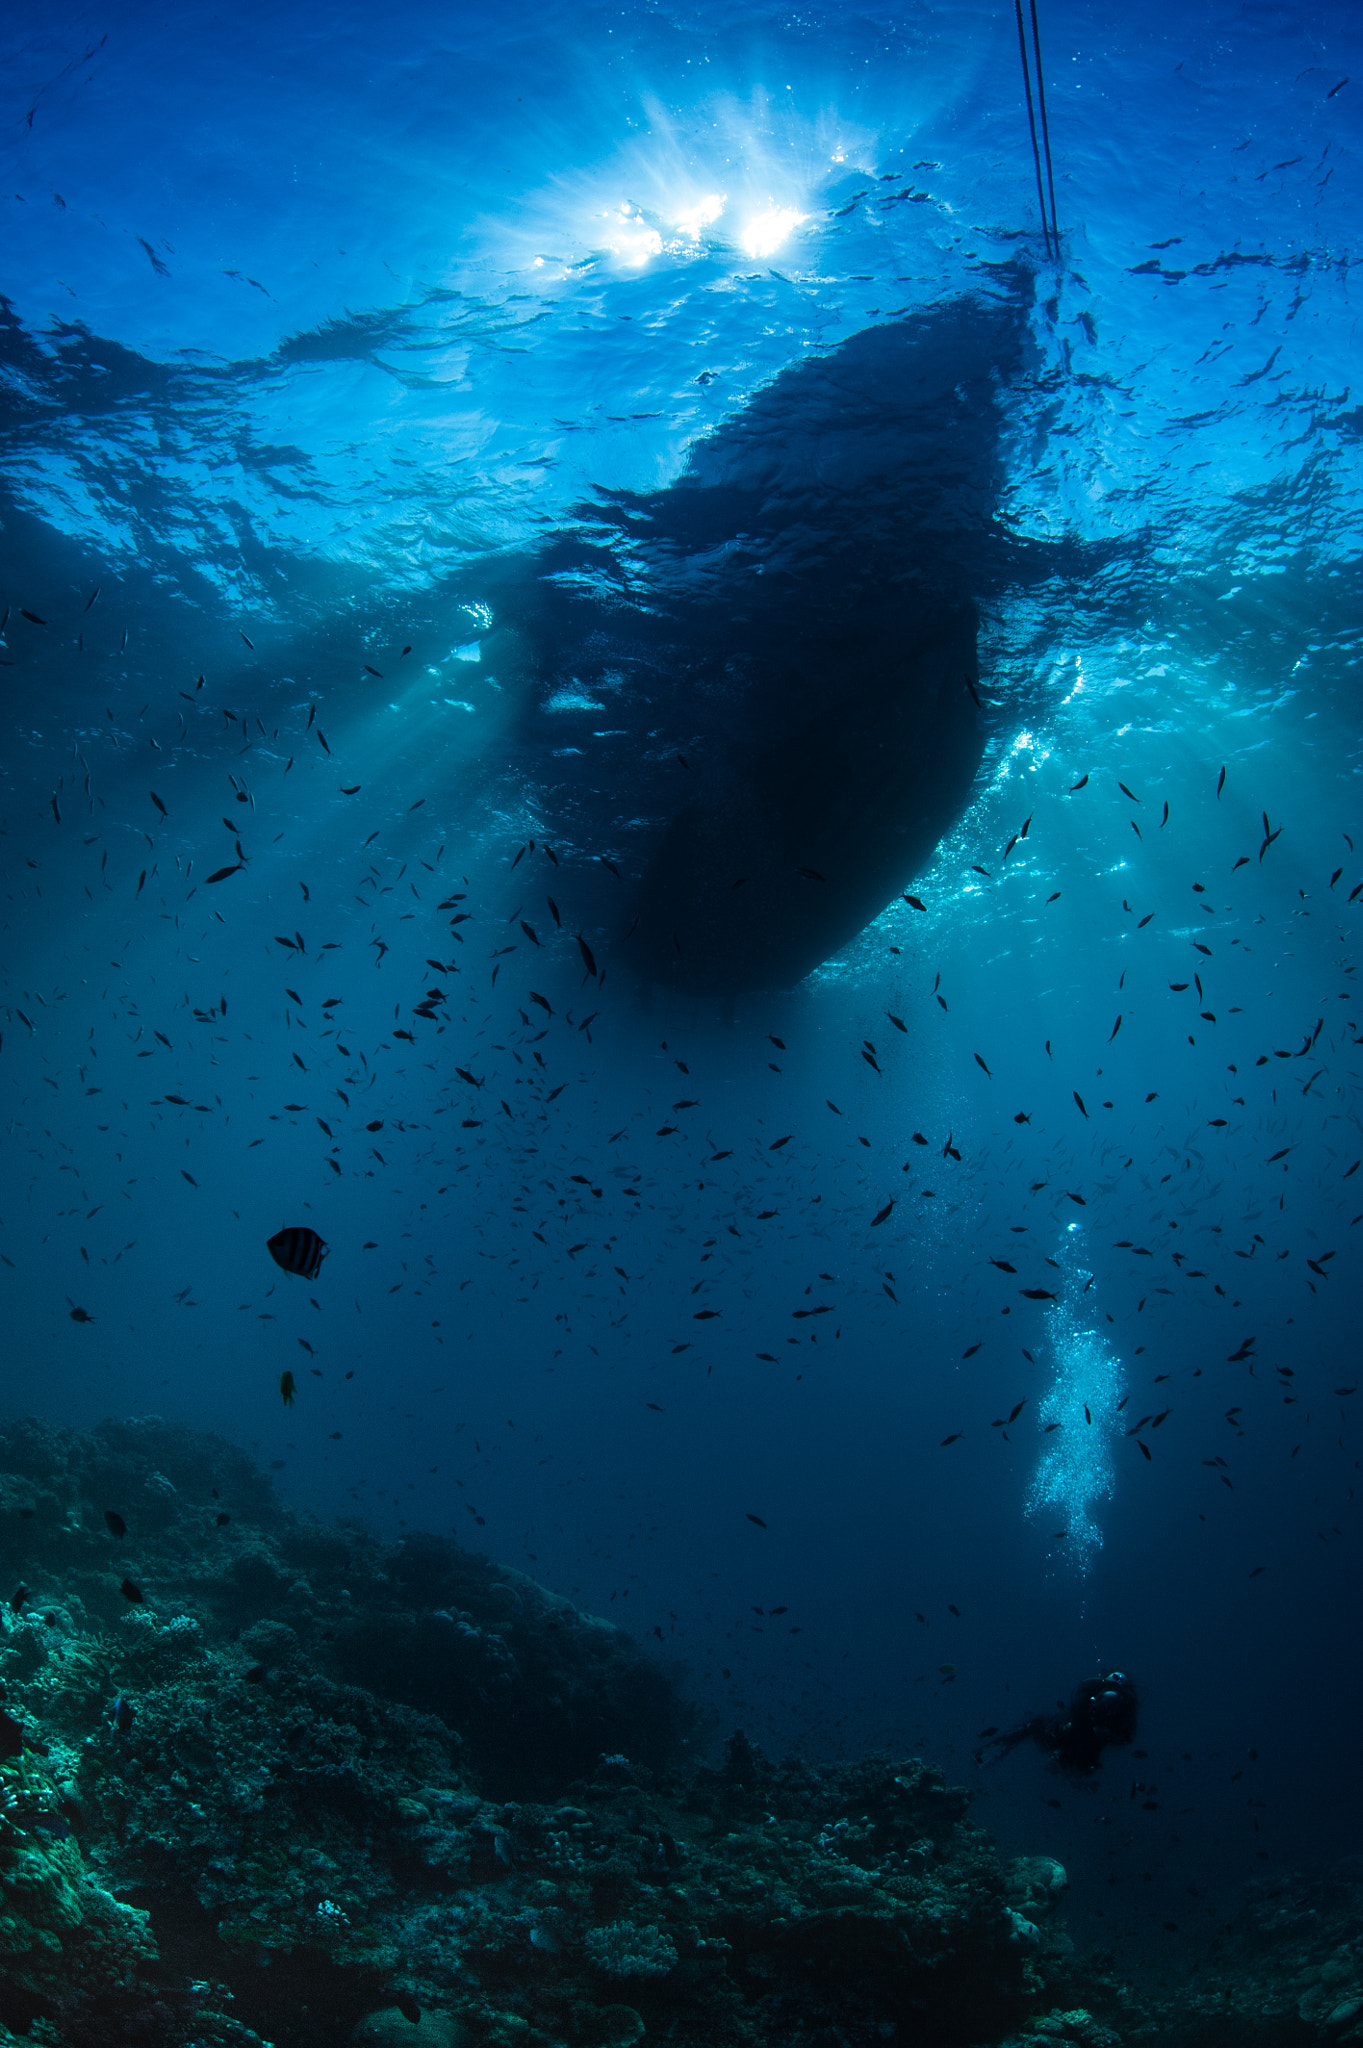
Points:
[438,446]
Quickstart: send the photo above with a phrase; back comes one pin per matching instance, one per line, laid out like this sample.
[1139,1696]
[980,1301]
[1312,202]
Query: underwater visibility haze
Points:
[681,861]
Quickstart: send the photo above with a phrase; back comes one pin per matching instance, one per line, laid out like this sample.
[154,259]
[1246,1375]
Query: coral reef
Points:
[264,1780]
[1286,1971]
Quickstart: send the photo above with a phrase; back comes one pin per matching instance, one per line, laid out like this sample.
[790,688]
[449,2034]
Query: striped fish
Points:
[298,1250]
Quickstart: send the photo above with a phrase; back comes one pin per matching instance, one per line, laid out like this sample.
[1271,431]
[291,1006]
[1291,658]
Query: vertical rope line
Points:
[1031,123]
[1045,126]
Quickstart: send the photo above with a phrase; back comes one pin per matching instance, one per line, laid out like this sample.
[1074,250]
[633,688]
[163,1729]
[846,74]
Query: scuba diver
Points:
[1101,1711]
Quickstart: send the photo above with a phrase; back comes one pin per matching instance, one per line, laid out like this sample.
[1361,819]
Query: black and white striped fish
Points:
[298,1250]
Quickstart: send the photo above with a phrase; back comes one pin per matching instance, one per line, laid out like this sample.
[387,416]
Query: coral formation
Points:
[263,1780]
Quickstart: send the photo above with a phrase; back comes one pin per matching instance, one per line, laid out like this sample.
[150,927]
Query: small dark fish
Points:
[884,1214]
[1017,1410]
[1036,1294]
[297,1250]
[1220,782]
[123,1715]
[158,803]
[287,1388]
[132,1593]
[971,1349]
[1115,1029]
[758,1519]
[1080,784]
[32,617]
[407,2006]
[1080,1100]
[587,960]
[898,1022]
[1143,1447]
[954,1438]
[1128,792]
[609,864]
[915,903]
[115,1524]
[221,1521]
[980,1063]
[811,874]
[221,874]
[870,1060]
[323,738]
[777,1143]
[250,643]
[530,932]
[373,671]
[80,1315]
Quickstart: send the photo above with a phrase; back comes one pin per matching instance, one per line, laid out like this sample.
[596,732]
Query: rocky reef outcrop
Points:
[266,1780]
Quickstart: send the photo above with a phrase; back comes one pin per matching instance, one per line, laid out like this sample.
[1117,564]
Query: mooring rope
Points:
[1050,231]
[1045,127]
